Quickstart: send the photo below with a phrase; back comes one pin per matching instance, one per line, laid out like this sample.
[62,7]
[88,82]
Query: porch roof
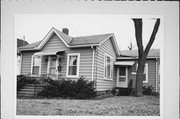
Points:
[46,53]
[124,63]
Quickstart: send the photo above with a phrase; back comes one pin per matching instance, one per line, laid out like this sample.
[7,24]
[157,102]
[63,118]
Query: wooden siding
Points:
[26,62]
[85,68]
[54,44]
[101,82]
[151,74]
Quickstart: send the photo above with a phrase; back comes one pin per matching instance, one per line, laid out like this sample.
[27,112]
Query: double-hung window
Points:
[108,67]
[36,64]
[73,65]
[145,72]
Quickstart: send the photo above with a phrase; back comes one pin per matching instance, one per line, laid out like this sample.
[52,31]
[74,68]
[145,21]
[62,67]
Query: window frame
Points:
[32,65]
[145,71]
[78,65]
[49,66]
[111,67]
[123,76]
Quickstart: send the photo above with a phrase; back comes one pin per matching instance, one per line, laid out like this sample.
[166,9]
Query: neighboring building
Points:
[20,43]
[58,55]
[129,61]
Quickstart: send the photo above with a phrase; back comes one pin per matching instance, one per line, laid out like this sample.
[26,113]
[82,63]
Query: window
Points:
[145,72]
[122,74]
[108,68]
[73,65]
[36,63]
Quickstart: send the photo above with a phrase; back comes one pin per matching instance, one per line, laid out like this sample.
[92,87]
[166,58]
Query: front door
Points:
[52,67]
[122,76]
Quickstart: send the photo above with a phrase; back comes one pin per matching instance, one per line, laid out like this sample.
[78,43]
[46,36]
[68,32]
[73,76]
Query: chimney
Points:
[65,30]
[23,39]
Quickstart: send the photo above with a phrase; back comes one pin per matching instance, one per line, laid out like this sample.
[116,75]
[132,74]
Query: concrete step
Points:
[30,90]
[37,85]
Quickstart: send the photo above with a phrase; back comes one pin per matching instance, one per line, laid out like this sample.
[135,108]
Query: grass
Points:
[114,106]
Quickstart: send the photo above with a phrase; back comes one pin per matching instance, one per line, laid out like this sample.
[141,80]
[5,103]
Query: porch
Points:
[123,69]
[47,63]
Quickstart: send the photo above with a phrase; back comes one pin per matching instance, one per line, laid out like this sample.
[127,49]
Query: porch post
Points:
[117,79]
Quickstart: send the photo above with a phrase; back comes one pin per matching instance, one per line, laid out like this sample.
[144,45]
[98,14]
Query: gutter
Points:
[76,46]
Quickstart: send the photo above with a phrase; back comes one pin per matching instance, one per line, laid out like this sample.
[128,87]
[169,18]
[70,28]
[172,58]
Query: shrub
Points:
[147,90]
[65,88]
[114,91]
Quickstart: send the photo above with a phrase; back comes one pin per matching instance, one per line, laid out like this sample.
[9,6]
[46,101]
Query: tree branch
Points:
[152,38]
[138,34]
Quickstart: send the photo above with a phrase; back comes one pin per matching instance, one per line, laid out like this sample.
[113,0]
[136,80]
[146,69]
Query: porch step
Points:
[30,90]
[122,91]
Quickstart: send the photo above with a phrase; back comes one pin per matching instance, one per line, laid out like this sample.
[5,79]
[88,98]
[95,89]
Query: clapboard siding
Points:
[54,44]
[26,62]
[85,68]
[151,74]
[101,83]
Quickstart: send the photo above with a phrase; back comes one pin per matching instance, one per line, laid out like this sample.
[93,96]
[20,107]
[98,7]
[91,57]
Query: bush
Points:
[80,89]
[147,90]
[22,80]
[114,91]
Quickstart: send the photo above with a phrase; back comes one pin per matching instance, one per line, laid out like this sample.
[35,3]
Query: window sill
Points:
[69,76]
[107,79]
[32,75]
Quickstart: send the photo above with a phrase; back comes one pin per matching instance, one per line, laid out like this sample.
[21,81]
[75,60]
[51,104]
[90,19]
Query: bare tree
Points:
[130,47]
[142,54]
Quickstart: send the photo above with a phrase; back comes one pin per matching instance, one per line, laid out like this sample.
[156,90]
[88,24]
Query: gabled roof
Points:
[72,42]
[31,46]
[65,37]
[130,54]
[21,42]
[94,39]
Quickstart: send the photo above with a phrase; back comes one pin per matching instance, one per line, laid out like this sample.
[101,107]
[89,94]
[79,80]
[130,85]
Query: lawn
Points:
[113,106]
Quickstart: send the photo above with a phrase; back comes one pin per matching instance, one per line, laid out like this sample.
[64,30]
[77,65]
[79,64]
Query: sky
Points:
[35,26]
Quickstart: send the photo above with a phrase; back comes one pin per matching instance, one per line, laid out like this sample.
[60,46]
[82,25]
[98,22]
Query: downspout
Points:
[92,63]
[96,67]
[156,74]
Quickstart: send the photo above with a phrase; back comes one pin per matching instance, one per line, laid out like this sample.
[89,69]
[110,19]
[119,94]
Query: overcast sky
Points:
[35,26]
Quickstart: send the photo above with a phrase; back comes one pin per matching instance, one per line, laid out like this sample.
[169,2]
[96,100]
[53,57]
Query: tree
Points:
[130,47]
[142,54]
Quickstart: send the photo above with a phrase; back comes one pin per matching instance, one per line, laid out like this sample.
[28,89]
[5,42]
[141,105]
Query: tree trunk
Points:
[139,77]
[142,54]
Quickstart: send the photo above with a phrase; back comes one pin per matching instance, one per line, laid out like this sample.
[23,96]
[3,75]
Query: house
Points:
[128,62]
[20,43]
[95,57]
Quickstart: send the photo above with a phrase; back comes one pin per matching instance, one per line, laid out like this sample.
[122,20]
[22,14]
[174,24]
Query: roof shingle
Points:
[134,53]
[86,40]
[72,41]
